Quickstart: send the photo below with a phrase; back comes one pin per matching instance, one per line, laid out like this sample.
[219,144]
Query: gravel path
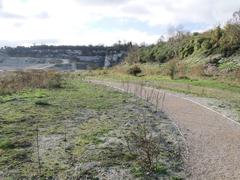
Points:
[213,140]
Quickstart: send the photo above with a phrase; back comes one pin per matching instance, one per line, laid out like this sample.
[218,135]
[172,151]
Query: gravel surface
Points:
[221,107]
[212,138]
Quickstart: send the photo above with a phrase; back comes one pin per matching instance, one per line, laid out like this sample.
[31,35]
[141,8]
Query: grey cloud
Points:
[136,10]
[8,15]
[42,15]
[30,42]
[43,41]
[167,4]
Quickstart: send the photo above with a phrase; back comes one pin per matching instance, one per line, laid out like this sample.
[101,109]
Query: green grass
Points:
[91,133]
[21,112]
[165,81]
[208,87]
[208,83]
[77,124]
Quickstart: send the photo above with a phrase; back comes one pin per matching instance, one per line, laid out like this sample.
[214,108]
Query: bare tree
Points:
[133,55]
[236,17]
[176,33]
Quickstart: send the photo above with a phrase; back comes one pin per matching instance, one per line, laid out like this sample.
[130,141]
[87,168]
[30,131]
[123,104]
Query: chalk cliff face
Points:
[62,57]
[113,59]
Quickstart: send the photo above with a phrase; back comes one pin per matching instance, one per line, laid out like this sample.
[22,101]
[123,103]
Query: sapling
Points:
[65,133]
[203,91]
[188,87]
[38,151]
[157,100]
[141,90]
[151,93]
[127,87]
[145,94]
[163,99]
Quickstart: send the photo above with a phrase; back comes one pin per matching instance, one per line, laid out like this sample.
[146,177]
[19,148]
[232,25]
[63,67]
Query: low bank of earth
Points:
[83,131]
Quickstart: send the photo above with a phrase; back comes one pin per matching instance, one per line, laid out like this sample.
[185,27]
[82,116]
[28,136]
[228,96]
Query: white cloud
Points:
[99,36]
[69,21]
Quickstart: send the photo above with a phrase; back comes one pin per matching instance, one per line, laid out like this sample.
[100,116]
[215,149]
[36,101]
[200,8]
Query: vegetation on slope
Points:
[212,53]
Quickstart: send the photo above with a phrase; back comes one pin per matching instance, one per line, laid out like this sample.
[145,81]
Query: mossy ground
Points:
[81,130]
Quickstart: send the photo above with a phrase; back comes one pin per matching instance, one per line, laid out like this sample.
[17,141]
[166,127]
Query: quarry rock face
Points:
[67,58]
[113,59]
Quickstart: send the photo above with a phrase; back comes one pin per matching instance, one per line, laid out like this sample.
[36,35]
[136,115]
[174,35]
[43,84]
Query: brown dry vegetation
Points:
[11,82]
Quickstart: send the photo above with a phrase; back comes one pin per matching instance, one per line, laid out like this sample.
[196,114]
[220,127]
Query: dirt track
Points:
[213,140]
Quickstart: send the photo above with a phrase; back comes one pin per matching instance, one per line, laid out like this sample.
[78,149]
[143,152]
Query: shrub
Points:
[206,45]
[142,143]
[231,35]
[164,52]
[135,70]
[216,34]
[172,69]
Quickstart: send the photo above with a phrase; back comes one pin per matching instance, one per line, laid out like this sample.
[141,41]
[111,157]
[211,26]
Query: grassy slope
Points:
[208,87]
[87,116]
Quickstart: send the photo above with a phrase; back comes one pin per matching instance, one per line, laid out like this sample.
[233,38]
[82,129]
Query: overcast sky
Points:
[78,22]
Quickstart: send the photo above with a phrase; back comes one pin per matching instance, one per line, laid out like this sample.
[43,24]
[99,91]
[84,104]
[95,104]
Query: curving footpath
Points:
[213,140]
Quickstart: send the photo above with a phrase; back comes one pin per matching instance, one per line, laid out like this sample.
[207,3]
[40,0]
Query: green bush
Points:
[206,45]
[135,70]
[173,70]
[230,42]
[216,34]
[186,51]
